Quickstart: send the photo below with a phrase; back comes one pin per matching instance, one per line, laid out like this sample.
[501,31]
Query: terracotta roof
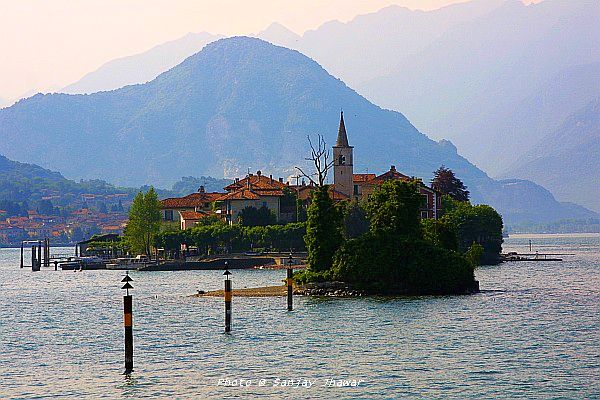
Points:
[241,194]
[363,177]
[193,215]
[257,182]
[191,200]
[392,174]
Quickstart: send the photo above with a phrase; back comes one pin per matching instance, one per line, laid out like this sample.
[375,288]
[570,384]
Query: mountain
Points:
[374,44]
[280,35]
[239,103]
[143,67]
[567,161]
[456,86]
[22,182]
[527,122]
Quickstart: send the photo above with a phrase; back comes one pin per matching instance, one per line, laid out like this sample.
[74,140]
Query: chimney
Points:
[201,189]
[248,184]
[393,168]
[237,180]
[258,173]
[271,178]
[280,180]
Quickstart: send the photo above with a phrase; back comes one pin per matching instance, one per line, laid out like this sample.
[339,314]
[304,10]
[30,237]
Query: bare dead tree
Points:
[320,157]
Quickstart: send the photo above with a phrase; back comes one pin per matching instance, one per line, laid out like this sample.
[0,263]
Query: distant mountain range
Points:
[551,161]
[240,103]
[476,83]
[493,76]
[22,182]
[143,67]
[30,183]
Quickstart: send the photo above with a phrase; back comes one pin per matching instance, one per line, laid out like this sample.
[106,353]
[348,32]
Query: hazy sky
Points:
[47,44]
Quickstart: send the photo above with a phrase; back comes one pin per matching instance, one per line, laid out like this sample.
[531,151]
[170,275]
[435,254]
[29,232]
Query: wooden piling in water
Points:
[128,323]
[33,260]
[290,273]
[39,256]
[128,317]
[228,296]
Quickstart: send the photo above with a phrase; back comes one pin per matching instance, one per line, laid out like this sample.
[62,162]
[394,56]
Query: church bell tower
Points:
[343,170]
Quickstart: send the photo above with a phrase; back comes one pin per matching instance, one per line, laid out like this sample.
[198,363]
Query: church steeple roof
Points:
[342,138]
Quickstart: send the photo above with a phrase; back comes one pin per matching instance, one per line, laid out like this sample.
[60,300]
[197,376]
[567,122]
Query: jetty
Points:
[514,256]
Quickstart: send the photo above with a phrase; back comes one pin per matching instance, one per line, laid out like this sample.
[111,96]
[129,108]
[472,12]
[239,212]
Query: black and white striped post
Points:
[227,300]
[33,258]
[128,322]
[290,273]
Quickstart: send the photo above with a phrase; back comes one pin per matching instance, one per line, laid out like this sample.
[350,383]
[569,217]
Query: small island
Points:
[392,235]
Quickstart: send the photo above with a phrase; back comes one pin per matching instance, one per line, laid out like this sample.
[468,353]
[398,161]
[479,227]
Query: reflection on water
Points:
[531,333]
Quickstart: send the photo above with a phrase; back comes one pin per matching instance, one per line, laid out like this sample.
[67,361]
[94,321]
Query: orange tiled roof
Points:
[240,194]
[257,182]
[392,174]
[191,200]
[193,215]
[363,177]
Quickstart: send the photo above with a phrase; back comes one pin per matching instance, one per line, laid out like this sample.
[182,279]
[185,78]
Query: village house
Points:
[252,191]
[186,211]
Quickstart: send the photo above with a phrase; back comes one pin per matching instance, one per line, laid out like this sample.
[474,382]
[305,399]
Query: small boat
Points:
[129,263]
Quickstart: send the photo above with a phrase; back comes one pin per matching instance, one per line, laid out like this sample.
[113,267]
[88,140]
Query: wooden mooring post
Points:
[289,281]
[227,300]
[128,322]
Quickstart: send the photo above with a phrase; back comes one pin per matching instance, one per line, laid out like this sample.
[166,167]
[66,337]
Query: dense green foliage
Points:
[395,256]
[385,264]
[393,209]
[474,254]
[480,224]
[356,222]
[144,221]
[440,233]
[252,216]
[323,230]
[220,237]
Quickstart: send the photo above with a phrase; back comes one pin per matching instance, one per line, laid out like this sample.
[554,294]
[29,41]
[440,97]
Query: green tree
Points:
[252,216]
[480,224]
[323,230]
[393,209]
[144,221]
[446,182]
[355,220]
[440,233]
[474,254]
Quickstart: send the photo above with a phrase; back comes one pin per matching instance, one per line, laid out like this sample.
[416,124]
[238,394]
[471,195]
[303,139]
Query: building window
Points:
[168,215]
[424,214]
[356,192]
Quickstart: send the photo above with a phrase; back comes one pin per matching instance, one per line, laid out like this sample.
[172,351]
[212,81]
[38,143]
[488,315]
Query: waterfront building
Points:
[255,190]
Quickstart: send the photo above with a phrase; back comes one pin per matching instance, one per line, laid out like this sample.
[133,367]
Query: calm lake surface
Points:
[534,332]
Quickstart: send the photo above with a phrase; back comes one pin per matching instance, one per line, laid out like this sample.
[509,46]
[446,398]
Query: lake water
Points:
[533,332]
